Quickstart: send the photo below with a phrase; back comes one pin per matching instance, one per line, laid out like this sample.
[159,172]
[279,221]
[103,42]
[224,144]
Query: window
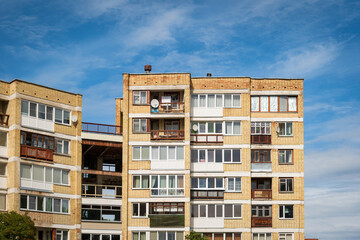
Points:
[285,156]
[101,213]
[260,128]
[273,103]
[109,167]
[234,184]
[166,208]
[207,183]
[285,129]
[88,236]
[260,156]
[285,236]
[216,100]
[44,204]
[216,155]
[40,141]
[140,181]
[167,185]
[286,211]
[140,125]
[141,153]
[261,211]
[286,185]
[139,210]
[140,97]
[209,211]
[62,146]
[166,235]
[44,174]
[261,236]
[3,139]
[2,169]
[232,128]
[61,235]
[232,211]
[2,201]
[138,235]
[62,116]
[158,153]
[207,127]
[221,236]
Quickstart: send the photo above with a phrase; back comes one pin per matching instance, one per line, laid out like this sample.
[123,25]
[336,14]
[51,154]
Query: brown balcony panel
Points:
[171,107]
[261,194]
[167,220]
[260,139]
[261,222]
[211,138]
[101,128]
[167,134]
[4,119]
[101,191]
[195,194]
[37,153]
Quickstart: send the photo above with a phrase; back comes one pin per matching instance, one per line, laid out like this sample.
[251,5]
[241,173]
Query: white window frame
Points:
[137,205]
[235,179]
[258,235]
[44,204]
[44,177]
[222,154]
[141,153]
[158,189]
[224,235]
[258,125]
[207,183]
[167,234]
[62,150]
[141,182]
[140,120]
[232,128]
[62,234]
[262,208]
[283,236]
[233,211]
[284,152]
[207,127]
[285,126]
[139,95]
[283,207]
[152,149]
[207,210]
[138,235]
[222,96]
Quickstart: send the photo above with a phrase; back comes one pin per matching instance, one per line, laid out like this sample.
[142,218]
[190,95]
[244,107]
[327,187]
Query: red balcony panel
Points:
[261,222]
[37,153]
[260,139]
[167,134]
[261,194]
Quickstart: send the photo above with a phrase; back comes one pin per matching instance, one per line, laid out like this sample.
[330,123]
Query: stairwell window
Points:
[286,211]
[285,129]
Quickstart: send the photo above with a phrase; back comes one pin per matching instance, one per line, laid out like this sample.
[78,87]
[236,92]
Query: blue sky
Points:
[84,46]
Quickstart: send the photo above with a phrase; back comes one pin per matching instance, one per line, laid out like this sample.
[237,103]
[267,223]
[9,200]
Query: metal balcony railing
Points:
[167,134]
[260,139]
[261,194]
[37,153]
[101,191]
[101,128]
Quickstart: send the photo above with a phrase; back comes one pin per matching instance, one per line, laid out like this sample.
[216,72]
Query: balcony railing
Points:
[101,128]
[261,166]
[203,194]
[167,134]
[167,220]
[261,222]
[4,119]
[261,194]
[37,153]
[171,107]
[101,191]
[209,138]
[260,139]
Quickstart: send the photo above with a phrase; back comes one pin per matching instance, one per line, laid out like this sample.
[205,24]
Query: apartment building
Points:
[222,156]
[40,157]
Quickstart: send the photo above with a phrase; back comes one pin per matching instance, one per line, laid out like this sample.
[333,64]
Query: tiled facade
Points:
[220,156]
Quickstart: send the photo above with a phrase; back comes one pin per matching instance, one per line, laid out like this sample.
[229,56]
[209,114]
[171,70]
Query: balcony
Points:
[169,102]
[261,194]
[101,128]
[167,220]
[208,138]
[203,194]
[101,191]
[260,139]
[261,222]
[37,153]
[167,134]
[261,167]
[4,119]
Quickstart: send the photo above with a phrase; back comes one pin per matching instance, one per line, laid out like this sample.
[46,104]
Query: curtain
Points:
[254,104]
[264,104]
[273,104]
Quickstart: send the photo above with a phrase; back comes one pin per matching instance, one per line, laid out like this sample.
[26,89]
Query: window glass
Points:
[143,97]
[194,100]
[255,104]
[237,210]
[218,127]
[194,155]
[211,210]
[136,153]
[57,176]
[171,152]
[228,127]
[227,100]
[219,210]
[281,129]
[288,156]
[3,139]
[58,115]
[292,104]
[273,104]
[41,111]
[49,113]
[49,204]
[38,173]
[136,181]
[202,210]
[163,153]
[25,171]
[65,177]
[237,184]
[283,104]
[236,128]
[136,96]
[202,127]
[24,107]
[155,153]
[228,210]
[143,125]
[180,153]
[33,109]
[57,203]
[202,102]
[219,183]
[65,206]
[210,155]
[211,101]
[32,202]
[211,127]
[145,181]
[145,154]
[264,104]
[227,155]
[202,182]
[3,202]
[202,156]
[66,147]
[218,153]
[23,201]
[236,155]
[289,129]
[231,184]
[219,100]
[236,100]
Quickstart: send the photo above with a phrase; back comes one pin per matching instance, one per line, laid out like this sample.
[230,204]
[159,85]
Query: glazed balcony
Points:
[36,153]
[101,128]
[4,119]
[167,220]
[261,194]
[261,222]
[260,139]
[101,191]
[206,138]
[207,194]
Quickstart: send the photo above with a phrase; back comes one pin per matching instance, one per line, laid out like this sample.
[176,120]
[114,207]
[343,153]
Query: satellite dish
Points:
[154,103]
[74,118]
[195,128]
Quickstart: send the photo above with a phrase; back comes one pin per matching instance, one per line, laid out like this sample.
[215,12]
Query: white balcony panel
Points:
[207,167]
[261,167]
[206,112]
[207,223]
[3,182]
[45,186]
[167,165]
[33,122]
[3,152]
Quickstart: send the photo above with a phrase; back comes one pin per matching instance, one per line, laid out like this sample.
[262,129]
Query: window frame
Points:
[101,208]
[283,236]
[232,128]
[207,183]
[214,155]
[258,125]
[285,157]
[197,207]
[287,179]
[141,182]
[45,198]
[234,189]
[278,103]
[222,96]
[139,94]
[233,211]
[282,209]
[138,206]
[285,127]
[147,123]
[263,209]
[176,189]
[260,152]
[44,172]
[169,205]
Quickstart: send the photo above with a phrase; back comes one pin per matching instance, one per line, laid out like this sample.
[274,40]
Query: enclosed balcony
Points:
[260,133]
[40,147]
[261,189]
[260,160]
[207,194]
[167,102]
[207,132]
[167,129]
[261,216]
[166,214]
